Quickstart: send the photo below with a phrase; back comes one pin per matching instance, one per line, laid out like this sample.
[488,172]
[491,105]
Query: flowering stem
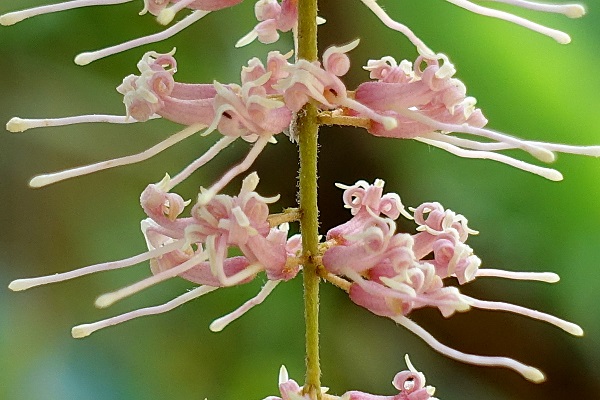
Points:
[307,131]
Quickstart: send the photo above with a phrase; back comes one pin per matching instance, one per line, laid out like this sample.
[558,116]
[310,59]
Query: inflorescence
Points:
[389,273]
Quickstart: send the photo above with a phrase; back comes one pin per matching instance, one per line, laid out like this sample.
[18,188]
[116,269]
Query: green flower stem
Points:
[307,131]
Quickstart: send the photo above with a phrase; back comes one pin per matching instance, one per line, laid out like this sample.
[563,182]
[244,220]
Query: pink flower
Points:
[432,91]
[358,247]
[277,68]
[364,240]
[240,221]
[239,110]
[443,234]
[155,91]
[247,111]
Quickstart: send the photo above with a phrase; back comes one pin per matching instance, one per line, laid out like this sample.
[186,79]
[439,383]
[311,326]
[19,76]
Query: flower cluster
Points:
[406,102]
[391,274]
[387,272]
[196,248]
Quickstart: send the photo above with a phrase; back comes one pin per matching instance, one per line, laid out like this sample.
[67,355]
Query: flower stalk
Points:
[307,128]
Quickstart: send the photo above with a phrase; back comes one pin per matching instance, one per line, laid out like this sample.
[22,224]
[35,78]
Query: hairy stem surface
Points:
[307,131]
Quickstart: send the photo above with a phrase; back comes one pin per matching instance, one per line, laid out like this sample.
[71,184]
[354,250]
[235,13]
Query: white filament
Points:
[537,151]
[592,151]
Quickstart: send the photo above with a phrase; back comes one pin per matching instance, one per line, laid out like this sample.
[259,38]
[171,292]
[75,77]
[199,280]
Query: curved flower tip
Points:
[363,197]
[159,204]
[273,17]
[20,284]
[534,375]
[145,95]
[335,59]
[575,10]
[410,384]
[283,375]
[16,125]
[166,15]
[11,18]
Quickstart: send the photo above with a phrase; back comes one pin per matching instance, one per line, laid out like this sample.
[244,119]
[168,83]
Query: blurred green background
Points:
[526,84]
